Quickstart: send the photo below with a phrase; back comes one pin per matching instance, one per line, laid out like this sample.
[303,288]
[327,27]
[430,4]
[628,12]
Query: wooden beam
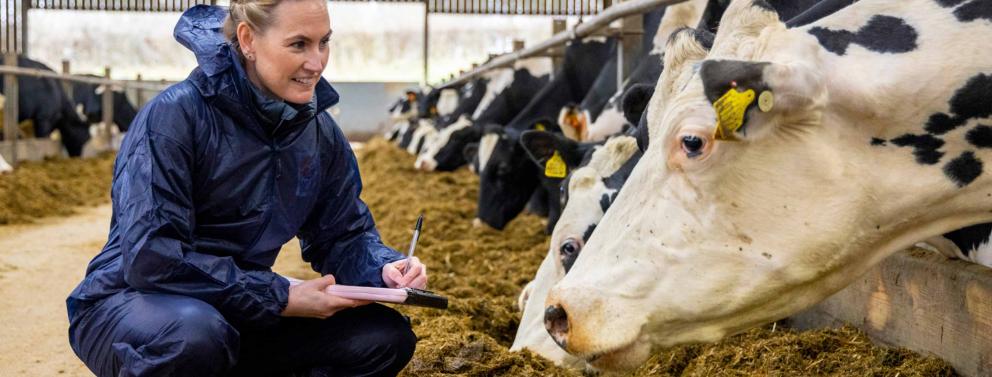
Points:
[922,301]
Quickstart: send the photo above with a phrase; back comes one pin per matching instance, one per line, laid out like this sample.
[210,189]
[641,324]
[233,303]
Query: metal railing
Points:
[584,29]
[11,71]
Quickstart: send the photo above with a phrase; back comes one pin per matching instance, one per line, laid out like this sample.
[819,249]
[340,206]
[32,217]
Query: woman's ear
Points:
[246,40]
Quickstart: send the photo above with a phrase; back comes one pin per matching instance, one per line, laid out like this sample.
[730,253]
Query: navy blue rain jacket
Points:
[213,178]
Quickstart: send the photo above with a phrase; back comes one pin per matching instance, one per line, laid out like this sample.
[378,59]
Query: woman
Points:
[215,175]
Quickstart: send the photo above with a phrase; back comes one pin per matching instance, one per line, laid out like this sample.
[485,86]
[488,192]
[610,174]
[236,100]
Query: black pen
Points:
[413,242]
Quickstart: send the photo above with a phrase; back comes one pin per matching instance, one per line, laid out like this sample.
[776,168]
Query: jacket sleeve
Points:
[153,199]
[340,237]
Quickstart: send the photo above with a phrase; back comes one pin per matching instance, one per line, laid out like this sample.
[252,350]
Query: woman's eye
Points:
[692,145]
[299,45]
[324,43]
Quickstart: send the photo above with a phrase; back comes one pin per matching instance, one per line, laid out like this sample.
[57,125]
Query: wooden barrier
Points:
[922,301]
[31,149]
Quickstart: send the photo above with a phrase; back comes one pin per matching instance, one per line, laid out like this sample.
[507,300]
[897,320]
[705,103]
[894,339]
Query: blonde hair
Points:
[256,13]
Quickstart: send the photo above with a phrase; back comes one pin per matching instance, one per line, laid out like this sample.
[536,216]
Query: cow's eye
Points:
[570,247]
[692,145]
[569,252]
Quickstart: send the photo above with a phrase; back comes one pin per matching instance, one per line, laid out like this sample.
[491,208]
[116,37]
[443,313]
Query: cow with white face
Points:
[508,92]
[586,195]
[471,95]
[400,114]
[791,162]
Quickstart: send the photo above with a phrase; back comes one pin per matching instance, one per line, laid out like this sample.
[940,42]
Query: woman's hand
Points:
[415,276]
[309,299]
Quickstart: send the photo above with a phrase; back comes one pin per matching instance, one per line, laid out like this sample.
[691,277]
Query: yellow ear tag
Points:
[555,167]
[730,112]
[539,127]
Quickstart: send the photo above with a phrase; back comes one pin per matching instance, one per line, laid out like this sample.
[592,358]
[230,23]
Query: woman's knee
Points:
[153,334]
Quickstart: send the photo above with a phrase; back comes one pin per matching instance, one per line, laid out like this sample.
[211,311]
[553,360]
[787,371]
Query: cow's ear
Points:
[635,100]
[748,96]
[411,97]
[540,145]
[470,151]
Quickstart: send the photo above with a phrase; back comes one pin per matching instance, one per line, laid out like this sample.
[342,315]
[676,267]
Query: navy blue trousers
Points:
[142,334]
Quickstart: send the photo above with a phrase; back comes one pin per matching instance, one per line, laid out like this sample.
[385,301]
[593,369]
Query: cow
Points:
[507,178]
[507,94]
[600,114]
[437,104]
[470,95]
[787,166]
[43,101]
[586,194]
[87,100]
[401,113]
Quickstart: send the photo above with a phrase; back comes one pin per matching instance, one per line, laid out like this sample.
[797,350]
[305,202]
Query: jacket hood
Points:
[200,29]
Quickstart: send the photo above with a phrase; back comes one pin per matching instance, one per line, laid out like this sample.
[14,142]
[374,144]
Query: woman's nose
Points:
[314,62]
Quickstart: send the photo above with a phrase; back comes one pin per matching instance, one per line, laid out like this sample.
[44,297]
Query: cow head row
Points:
[782,164]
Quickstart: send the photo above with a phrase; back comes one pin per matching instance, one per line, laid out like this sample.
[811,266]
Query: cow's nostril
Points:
[556,322]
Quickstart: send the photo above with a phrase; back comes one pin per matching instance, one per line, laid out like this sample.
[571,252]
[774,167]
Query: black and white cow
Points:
[87,99]
[586,195]
[507,177]
[782,170]
[43,101]
[599,115]
[470,95]
[506,96]
[427,113]
[401,113]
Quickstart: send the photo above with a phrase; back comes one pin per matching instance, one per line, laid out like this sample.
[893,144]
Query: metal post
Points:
[108,108]
[10,126]
[426,39]
[139,94]
[631,33]
[25,5]
[66,85]
[557,53]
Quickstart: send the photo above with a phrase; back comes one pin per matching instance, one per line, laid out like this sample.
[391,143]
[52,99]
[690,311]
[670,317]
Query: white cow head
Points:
[585,195]
[866,142]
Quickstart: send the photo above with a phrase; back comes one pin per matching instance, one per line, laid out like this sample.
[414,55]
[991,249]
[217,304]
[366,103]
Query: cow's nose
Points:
[556,322]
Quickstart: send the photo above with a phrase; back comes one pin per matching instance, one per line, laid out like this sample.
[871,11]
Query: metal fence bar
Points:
[10,108]
[584,29]
[115,84]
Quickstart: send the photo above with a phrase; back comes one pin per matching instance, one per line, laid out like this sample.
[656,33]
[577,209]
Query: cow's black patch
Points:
[976,9]
[964,169]
[949,3]
[980,136]
[604,202]
[588,233]
[970,102]
[877,142]
[764,5]
[925,147]
[970,238]
[882,34]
